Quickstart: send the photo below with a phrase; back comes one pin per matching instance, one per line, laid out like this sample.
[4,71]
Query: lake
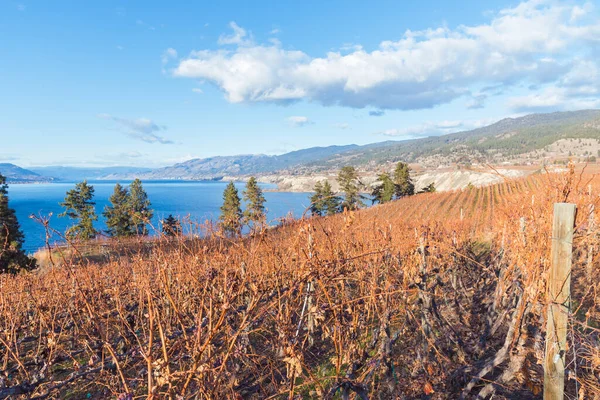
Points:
[198,200]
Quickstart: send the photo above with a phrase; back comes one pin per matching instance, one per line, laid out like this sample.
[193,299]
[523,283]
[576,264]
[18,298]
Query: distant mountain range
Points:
[217,167]
[511,140]
[508,140]
[70,174]
[15,174]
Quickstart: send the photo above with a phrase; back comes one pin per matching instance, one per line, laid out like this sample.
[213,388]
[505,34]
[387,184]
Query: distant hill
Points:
[15,174]
[511,140]
[217,167]
[524,140]
[506,140]
[78,174]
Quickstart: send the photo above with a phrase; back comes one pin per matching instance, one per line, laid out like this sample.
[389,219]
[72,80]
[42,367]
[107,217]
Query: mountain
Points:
[16,174]
[527,139]
[217,167]
[524,140]
[78,174]
[509,140]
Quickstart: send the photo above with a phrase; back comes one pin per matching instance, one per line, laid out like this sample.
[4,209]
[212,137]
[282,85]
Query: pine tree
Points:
[350,186]
[331,202]
[231,211]
[429,188]
[254,214]
[171,226]
[80,207]
[12,256]
[317,206]
[118,215]
[139,207]
[384,191]
[324,201]
[403,181]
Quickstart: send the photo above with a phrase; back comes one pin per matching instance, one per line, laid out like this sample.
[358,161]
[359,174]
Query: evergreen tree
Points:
[231,211]
[331,202]
[324,201]
[317,205]
[118,216]
[255,204]
[12,256]
[403,181]
[171,226]
[80,207]
[385,190]
[429,188]
[350,186]
[139,207]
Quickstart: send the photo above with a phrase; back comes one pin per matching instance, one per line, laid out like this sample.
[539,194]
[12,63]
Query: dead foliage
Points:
[436,296]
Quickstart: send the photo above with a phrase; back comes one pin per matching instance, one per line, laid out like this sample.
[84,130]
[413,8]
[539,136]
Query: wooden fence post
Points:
[559,300]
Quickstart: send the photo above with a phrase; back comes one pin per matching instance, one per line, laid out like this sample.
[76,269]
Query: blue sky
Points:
[154,83]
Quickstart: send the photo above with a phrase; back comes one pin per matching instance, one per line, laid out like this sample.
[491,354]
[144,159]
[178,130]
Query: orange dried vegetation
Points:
[440,293]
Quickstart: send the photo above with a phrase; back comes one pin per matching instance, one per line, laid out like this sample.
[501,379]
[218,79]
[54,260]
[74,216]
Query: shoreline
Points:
[445,179]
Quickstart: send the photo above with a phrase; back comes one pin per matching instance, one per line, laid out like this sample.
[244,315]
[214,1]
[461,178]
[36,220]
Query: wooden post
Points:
[589,268]
[559,300]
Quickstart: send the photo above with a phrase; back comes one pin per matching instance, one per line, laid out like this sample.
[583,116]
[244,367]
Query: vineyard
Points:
[437,296]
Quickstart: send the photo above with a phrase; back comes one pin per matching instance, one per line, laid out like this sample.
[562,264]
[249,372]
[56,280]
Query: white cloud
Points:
[583,77]
[341,125]
[299,121]
[425,129]
[168,54]
[376,113]
[552,99]
[578,88]
[449,124]
[544,101]
[139,22]
[121,157]
[275,31]
[132,154]
[9,157]
[579,12]
[197,90]
[476,102]
[120,47]
[142,129]
[237,37]
[431,128]
[533,42]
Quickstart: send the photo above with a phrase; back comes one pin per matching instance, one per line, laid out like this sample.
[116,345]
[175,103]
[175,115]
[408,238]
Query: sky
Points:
[153,83]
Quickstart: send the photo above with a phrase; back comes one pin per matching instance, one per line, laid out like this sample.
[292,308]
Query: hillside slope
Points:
[504,141]
[511,140]
[217,167]
[16,174]
[71,174]
[434,296]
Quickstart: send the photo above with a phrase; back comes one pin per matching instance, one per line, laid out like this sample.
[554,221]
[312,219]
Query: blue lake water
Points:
[198,200]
